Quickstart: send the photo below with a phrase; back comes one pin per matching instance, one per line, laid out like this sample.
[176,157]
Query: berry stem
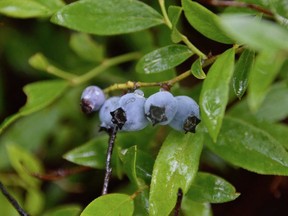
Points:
[11,199]
[108,168]
[178,202]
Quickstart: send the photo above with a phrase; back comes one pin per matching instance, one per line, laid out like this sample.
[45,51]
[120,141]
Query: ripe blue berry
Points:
[109,106]
[160,108]
[92,99]
[187,116]
[130,114]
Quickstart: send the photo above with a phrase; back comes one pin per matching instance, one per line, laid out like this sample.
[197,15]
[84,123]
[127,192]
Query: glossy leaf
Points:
[23,9]
[174,13]
[211,189]
[138,166]
[110,205]
[191,208]
[107,17]
[204,21]
[163,59]
[273,109]
[175,167]
[53,5]
[266,68]
[241,72]
[215,92]
[86,48]
[257,34]
[39,95]
[197,70]
[65,210]
[246,146]
[25,164]
[91,154]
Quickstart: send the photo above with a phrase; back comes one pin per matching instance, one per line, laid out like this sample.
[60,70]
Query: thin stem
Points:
[60,73]
[167,21]
[108,168]
[178,202]
[164,12]
[104,65]
[11,199]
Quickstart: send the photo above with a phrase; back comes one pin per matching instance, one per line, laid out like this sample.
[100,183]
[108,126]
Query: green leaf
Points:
[266,68]
[211,189]
[196,69]
[91,154]
[163,59]
[34,201]
[204,21]
[241,72]
[174,13]
[107,17]
[53,5]
[175,167]
[251,148]
[110,205]
[138,166]
[257,34]
[39,95]
[23,8]
[25,164]
[65,210]
[191,208]
[86,48]
[215,92]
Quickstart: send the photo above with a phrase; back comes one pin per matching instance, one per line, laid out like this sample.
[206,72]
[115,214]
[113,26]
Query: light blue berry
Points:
[187,116]
[130,114]
[92,99]
[109,106]
[160,108]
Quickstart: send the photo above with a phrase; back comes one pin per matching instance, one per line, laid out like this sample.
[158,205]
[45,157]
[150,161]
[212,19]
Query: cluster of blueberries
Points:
[132,111]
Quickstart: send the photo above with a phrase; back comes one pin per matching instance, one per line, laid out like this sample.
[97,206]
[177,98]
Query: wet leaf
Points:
[197,70]
[263,73]
[175,167]
[39,95]
[91,154]
[138,166]
[211,189]
[107,17]
[251,148]
[241,72]
[191,208]
[163,59]
[215,92]
[23,9]
[257,34]
[110,205]
[204,21]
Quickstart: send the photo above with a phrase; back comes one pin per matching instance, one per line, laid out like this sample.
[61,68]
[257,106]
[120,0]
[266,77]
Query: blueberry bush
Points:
[185,107]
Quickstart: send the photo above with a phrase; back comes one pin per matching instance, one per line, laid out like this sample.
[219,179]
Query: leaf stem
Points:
[11,199]
[169,83]
[178,202]
[184,39]
[108,168]
[103,66]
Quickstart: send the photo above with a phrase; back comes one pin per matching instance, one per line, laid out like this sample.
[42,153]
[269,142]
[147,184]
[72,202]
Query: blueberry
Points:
[92,99]
[160,108]
[109,106]
[130,114]
[187,116]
